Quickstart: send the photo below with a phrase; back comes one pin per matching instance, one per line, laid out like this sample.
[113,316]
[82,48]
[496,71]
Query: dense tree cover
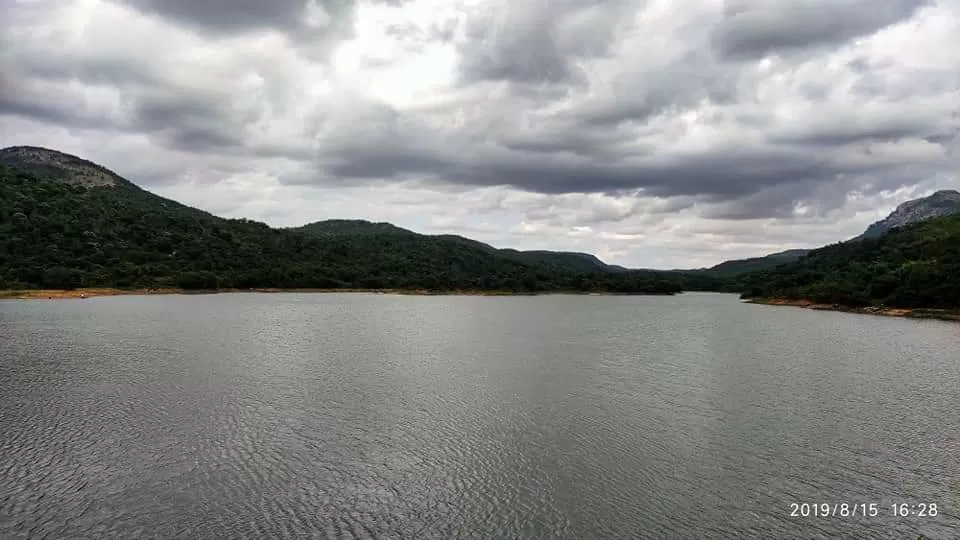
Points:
[56,231]
[915,266]
[755,264]
[556,260]
[348,227]
[581,262]
[54,234]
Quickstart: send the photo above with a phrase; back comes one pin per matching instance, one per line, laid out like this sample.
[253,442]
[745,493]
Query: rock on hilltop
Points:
[64,167]
[941,203]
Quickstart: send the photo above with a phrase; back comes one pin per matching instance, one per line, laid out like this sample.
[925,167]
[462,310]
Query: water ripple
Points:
[364,416]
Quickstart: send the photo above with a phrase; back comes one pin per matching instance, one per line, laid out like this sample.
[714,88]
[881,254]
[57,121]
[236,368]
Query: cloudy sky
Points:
[653,133]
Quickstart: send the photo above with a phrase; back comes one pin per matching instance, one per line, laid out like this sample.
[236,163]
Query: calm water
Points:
[377,416]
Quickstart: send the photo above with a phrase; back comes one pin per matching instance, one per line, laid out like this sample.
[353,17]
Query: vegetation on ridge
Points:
[745,266]
[57,234]
[67,223]
[910,267]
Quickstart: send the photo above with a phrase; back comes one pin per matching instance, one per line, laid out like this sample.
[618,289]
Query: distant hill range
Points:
[66,222]
[579,262]
[940,204]
[744,266]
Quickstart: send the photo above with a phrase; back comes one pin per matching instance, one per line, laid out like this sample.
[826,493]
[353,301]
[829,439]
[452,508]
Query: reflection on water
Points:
[291,416]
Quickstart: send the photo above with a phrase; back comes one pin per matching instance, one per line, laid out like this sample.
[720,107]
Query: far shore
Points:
[916,313]
[76,294]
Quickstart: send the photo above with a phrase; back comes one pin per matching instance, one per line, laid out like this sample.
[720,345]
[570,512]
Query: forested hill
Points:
[346,227]
[913,266]
[942,203]
[66,222]
[559,260]
[744,266]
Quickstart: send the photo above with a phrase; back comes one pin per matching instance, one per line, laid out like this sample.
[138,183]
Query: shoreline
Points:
[78,294]
[913,313]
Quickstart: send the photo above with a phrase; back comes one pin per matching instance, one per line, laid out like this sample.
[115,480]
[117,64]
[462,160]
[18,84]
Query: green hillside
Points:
[754,264]
[580,262]
[67,223]
[913,266]
[558,260]
[351,227]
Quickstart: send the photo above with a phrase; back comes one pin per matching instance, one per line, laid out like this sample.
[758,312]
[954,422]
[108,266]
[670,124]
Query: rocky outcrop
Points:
[64,167]
[941,203]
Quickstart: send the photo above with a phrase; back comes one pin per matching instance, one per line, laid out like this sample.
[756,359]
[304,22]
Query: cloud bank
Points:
[650,132]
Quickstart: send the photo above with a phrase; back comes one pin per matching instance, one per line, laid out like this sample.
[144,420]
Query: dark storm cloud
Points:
[754,28]
[303,19]
[14,103]
[539,41]
[583,142]
[181,117]
[195,139]
[112,72]
[316,27]
[172,123]
[8,84]
[665,180]
[774,202]
[731,172]
[230,16]
[819,197]
[843,131]
[189,120]
[763,178]
[528,55]
[642,95]
[668,121]
[20,96]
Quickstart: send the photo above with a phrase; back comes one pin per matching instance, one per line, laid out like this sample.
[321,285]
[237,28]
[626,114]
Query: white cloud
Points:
[651,133]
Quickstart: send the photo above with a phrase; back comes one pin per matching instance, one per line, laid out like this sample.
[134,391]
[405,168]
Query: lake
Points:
[381,416]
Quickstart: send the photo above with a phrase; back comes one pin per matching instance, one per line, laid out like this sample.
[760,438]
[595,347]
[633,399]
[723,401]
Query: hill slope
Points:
[580,262]
[558,260]
[941,203]
[914,266]
[66,222]
[744,266]
[350,227]
[60,166]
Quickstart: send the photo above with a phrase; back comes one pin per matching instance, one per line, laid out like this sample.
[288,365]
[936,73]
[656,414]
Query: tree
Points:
[59,277]
[198,281]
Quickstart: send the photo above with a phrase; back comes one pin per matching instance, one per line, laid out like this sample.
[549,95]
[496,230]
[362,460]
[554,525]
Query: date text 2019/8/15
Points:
[862,509]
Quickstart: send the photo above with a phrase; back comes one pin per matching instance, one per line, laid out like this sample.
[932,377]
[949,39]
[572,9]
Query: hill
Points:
[581,262]
[744,266]
[351,227]
[941,203]
[915,266]
[66,222]
[558,260]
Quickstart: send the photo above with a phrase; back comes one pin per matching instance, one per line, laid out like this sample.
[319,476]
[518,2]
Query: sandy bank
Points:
[917,313]
[76,294]
[59,294]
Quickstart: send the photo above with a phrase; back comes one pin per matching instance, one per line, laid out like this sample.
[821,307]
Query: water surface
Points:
[380,416]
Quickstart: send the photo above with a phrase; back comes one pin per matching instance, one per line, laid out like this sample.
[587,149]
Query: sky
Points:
[651,133]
